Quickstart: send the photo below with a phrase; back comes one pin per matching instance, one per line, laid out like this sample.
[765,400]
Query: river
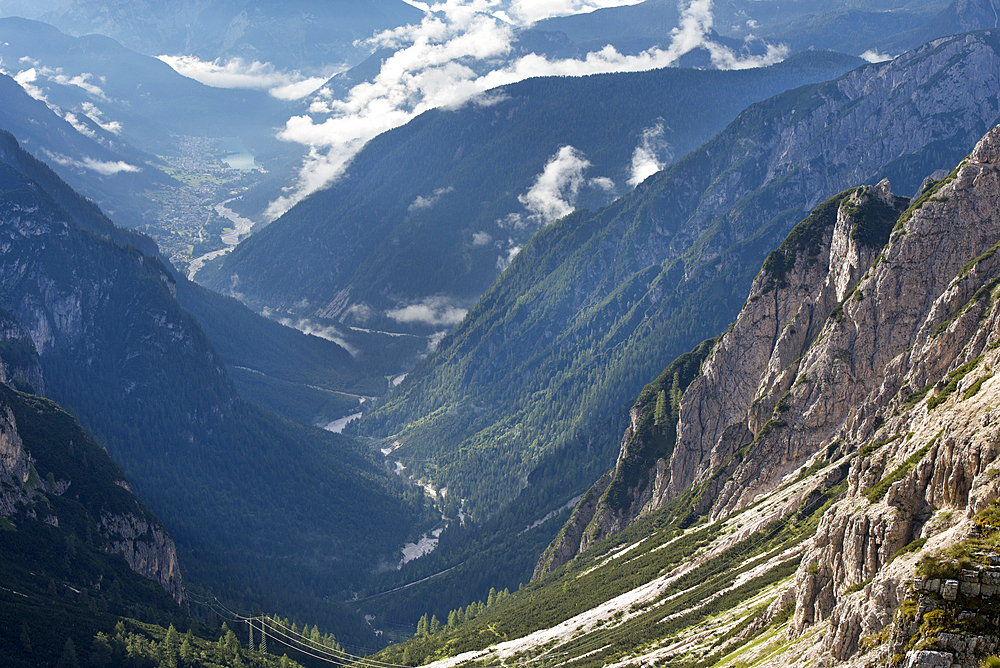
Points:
[241,227]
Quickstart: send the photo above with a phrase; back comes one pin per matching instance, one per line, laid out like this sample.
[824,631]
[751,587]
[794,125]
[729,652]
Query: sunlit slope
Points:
[597,304]
[428,214]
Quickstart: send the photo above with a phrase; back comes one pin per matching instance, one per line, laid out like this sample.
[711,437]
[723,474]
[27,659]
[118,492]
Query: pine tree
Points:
[25,638]
[68,658]
[101,654]
[171,648]
[492,598]
[661,407]
[675,396]
[422,626]
[187,649]
[453,619]
[435,625]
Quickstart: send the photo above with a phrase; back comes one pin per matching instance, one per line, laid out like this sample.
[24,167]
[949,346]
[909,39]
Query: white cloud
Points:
[360,313]
[430,311]
[434,340]
[428,202]
[504,261]
[99,166]
[96,115]
[237,73]
[432,68]
[873,56]
[481,239]
[603,183]
[79,125]
[555,190]
[297,90]
[322,331]
[646,157]
[80,81]
[27,79]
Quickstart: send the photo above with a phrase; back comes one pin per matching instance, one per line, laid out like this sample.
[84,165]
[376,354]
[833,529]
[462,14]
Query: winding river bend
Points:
[241,227]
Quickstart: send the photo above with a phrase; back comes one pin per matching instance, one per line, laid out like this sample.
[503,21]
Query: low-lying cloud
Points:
[237,73]
[36,73]
[650,156]
[327,332]
[31,79]
[26,79]
[104,168]
[434,311]
[428,202]
[529,11]
[556,189]
[433,67]
[96,115]
[873,56]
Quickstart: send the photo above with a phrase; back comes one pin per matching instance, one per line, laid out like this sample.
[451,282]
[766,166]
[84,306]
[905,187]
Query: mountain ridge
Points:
[849,514]
[453,184]
[663,262]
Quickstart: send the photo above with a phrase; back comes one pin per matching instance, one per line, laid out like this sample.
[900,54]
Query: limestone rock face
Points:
[753,365]
[18,359]
[869,340]
[15,465]
[109,505]
[147,548]
[573,538]
[851,131]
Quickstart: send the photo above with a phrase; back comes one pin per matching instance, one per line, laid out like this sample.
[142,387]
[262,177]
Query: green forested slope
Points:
[360,248]
[58,576]
[263,509]
[598,303]
[541,373]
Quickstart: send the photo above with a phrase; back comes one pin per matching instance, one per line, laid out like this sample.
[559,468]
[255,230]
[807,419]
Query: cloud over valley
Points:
[460,50]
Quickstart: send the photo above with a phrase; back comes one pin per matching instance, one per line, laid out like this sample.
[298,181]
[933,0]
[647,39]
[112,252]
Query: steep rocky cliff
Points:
[604,301]
[864,356]
[19,366]
[52,473]
[122,355]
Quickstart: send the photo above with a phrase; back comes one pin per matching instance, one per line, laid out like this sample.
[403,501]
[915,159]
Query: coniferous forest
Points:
[383,333]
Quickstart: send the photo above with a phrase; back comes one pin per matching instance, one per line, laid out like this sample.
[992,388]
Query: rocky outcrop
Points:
[869,339]
[19,366]
[739,394]
[15,465]
[147,548]
[35,468]
[572,538]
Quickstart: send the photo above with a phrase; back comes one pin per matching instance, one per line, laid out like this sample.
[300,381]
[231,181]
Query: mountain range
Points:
[118,350]
[693,389]
[305,35]
[598,303]
[470,186]
[817,483]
